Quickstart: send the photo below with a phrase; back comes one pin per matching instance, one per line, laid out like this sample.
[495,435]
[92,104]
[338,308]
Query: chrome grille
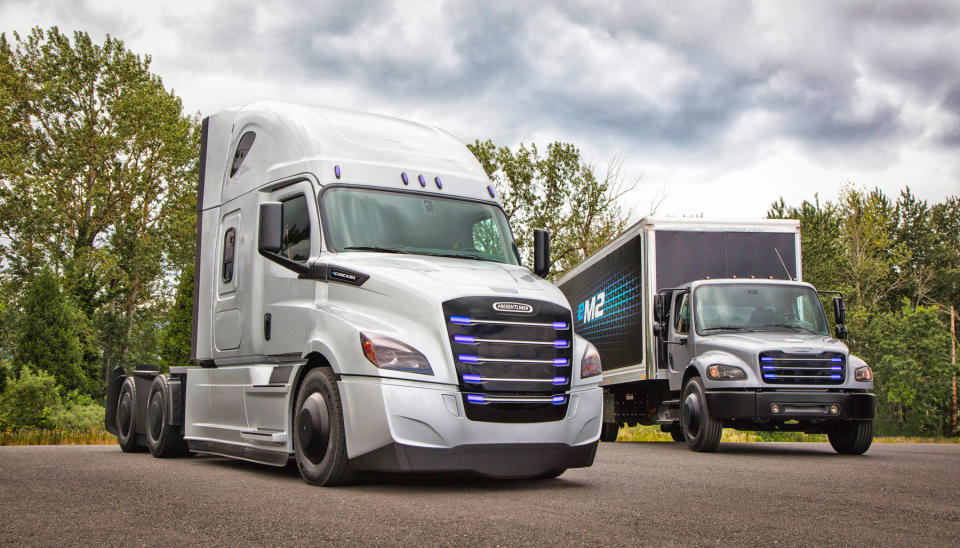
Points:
[778,367]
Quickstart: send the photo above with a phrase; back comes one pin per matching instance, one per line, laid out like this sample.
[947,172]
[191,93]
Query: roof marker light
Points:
[438,181]
[558,400]
[462,320]
[559,380]
[474,398]
[464,339]
[472,378]
[560,362]
[559,325]
[469,358]
[423,181]
[490,190]
[336,171]
[404,178]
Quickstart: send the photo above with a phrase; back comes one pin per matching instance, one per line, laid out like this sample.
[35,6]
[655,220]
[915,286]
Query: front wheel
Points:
[319,438]
[609,431]
[851,437]
[700,429]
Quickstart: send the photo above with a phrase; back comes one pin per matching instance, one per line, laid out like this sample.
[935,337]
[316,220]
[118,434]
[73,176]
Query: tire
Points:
[676,433]
[609,431]
[163,439]
[127,418]
[552,474]
[851,437]
[319,441]
[700,429]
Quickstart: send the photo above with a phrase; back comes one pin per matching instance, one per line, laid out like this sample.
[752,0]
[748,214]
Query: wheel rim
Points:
[123,414]
[313,431]
[690,415]
[155,416]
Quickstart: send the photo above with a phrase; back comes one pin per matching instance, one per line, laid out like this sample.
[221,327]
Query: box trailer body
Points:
[750,268]
[370,257]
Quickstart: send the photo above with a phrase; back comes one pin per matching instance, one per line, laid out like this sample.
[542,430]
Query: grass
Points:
[653,433]
[56,436]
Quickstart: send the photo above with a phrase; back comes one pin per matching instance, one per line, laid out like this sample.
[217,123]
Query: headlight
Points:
[725,373]
[590,364]
[863,373]
[387,353]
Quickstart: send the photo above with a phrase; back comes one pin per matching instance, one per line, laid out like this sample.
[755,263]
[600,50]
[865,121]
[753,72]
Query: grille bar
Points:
[465,320]
[779,367]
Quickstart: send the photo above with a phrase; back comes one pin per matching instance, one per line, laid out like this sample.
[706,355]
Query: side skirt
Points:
[252,454]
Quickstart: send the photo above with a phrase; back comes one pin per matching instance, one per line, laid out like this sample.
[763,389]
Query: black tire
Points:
[163,439]
[676,432]
[319,441]
[700,429]
[609,431]
[851,437]
[127,418]
[552,474]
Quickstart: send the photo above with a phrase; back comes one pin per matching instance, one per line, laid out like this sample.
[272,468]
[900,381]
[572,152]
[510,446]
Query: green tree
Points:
[175,339]
[557,191]
[97,177]
[821,248]
[31,400]
[47,337]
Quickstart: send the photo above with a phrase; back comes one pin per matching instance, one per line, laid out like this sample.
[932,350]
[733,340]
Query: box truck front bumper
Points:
[745,405]
[403,426]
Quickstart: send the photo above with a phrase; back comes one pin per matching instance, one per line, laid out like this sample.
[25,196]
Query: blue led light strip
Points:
[470,358]
[466,320]
[469,378]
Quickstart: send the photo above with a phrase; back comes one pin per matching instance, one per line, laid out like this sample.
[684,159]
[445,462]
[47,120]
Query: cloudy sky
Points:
[720,106]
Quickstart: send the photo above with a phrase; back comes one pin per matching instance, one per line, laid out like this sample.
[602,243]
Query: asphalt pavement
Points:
[635,494]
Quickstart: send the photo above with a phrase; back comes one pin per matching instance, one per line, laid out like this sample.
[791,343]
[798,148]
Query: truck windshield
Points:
[401,222]
[758,307]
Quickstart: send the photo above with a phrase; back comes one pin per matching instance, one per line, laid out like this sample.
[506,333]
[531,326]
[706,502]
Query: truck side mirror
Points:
[658,311]
[839,311]
[841,331]
[541,252]
[271,219]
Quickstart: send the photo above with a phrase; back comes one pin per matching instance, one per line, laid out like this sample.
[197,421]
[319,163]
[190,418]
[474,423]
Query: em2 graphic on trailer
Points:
[607,304]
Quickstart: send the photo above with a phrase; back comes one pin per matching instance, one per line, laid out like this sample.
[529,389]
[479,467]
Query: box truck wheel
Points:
[609,431]
[851,437]
[676,432]
[701,430]
[127,417]
[319,441]
[552,474]
[163,439]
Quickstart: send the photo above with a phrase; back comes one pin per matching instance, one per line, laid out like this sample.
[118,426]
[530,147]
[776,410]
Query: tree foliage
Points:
[175,340]
[558,191]
[97,170]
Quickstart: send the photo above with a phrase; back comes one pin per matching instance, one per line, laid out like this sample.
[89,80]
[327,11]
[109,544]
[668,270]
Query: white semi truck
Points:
[360,305]
[704,325]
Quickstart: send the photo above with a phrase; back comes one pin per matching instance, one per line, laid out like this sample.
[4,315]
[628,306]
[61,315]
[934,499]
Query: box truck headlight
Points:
[725,373]
[590,364]
[387,353]
[863,373]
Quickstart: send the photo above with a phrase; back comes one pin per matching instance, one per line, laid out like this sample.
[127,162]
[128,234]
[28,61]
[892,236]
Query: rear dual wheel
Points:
[163,439]
[127,418]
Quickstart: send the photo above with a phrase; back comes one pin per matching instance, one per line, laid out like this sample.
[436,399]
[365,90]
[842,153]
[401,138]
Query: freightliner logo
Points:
[516,308]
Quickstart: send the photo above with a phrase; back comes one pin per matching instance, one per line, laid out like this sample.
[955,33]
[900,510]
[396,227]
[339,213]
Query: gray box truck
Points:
[704,325]
[360,305]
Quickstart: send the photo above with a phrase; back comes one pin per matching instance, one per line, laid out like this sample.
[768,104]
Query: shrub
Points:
[30,400]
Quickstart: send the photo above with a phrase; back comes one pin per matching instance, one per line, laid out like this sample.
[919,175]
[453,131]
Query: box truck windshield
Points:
[400,222]
[758,307]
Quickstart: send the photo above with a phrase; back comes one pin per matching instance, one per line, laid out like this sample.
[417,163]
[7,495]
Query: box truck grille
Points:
[779,367]
[513,357]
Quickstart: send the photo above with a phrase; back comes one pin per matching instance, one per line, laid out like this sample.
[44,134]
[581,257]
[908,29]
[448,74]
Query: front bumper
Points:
[745,405]
[397,425]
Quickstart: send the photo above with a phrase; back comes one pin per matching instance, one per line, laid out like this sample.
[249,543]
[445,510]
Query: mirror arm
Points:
[303,269]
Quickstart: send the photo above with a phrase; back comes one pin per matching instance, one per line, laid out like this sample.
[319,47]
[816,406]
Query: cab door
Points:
[679,344]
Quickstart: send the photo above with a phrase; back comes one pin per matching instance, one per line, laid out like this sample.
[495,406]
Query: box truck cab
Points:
[360,305]
[705,324]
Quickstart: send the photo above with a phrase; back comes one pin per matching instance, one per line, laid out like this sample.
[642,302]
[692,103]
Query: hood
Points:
[447,278]
[791,342]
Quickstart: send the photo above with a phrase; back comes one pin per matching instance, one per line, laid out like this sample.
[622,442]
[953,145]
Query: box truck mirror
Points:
[658,311]
[839,311]
[841,331]
[541,252]
[271,217]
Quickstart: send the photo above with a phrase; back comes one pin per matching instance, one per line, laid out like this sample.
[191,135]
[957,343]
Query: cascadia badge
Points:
[516,308]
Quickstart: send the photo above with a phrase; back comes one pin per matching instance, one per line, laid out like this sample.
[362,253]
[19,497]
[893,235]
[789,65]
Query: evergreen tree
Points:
[175,340]
[48,335]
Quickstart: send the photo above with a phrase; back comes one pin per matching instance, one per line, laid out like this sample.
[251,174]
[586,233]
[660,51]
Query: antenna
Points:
[785,269]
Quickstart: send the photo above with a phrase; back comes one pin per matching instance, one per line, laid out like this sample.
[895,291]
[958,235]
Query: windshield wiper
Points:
[730,327]
[791,326]
[457,256]
[375,248]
